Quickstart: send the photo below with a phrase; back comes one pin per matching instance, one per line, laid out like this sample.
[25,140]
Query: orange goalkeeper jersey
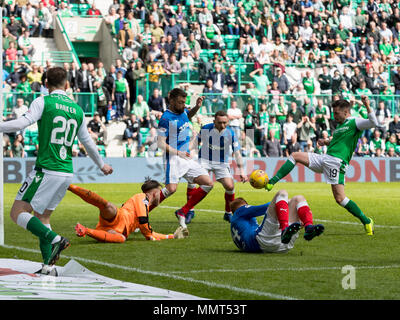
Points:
[133,214]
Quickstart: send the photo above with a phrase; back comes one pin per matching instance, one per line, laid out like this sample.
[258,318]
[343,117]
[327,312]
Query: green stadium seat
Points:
[231,41]
[144,132]
[30,150]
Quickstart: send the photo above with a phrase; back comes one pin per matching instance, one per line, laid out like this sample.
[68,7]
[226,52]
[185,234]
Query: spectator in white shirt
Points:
[29,19]
[235,116]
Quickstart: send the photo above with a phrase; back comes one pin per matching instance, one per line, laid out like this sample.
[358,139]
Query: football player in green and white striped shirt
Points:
[59,121]
[334,163]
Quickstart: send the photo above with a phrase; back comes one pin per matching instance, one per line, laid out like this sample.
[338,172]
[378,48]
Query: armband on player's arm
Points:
[145,228]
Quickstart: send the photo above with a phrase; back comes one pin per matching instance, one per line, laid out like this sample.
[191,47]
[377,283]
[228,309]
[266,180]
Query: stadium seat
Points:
[145,133]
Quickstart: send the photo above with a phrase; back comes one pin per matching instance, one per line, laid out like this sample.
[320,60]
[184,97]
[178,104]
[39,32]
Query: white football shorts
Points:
[177,168]
[334,169]
[269,237]
[220,169]
[44,189]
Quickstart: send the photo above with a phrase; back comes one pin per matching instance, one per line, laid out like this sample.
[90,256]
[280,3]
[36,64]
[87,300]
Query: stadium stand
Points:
[259,60]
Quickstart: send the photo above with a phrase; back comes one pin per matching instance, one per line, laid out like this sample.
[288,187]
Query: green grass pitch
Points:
[208,265]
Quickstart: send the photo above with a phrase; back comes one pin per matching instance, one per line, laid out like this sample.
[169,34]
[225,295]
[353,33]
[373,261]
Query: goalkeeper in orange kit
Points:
[115,224]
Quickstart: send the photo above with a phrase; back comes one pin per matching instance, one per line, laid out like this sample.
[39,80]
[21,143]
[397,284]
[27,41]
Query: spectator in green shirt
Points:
[308,83]
[261,81]
[142,112]
[24,88]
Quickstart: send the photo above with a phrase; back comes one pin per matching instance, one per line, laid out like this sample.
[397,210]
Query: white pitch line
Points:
[283,269]
[321,220]
[168,275]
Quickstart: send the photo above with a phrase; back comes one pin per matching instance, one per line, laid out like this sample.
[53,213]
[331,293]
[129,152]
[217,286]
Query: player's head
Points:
[341,110]
[177,100]
[152,189]
[221,120]
[237,203]
[56,78]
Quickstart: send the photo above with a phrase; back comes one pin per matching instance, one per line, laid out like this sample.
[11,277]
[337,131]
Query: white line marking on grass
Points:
[168,275]
[327,221]
[283,269]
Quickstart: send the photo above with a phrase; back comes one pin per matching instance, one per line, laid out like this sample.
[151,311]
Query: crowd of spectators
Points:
[300,55]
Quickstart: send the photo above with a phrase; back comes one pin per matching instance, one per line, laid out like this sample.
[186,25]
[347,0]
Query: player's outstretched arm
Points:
[193,111]
[159,236]
[371,122]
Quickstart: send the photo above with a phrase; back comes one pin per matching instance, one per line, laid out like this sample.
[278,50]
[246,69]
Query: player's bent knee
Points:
[298,199]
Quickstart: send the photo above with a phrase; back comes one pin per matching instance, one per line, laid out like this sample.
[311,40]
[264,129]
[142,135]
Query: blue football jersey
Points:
[244,227]
[176,127]
[217,146]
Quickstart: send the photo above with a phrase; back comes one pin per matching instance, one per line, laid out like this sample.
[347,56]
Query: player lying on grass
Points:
[334,163]
[115,224]
[283,218]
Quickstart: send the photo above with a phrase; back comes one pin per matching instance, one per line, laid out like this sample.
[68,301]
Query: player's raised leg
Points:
[352,207]
[279,209]
[108,210]
[287,167]
[206,185]
[299,210]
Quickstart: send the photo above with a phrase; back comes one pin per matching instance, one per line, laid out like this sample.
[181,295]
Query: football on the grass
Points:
[258,179]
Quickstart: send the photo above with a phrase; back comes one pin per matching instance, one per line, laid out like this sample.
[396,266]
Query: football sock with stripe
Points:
[198,195]
[283,171]
[304,213]
[229,197]
[164,194]
[353,208]
[46,236]
[190,190]
[282,211]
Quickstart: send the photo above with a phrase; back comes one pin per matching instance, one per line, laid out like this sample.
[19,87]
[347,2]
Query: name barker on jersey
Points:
[65,108]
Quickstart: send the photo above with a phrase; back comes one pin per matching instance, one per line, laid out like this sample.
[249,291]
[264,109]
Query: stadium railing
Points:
[68,42]
[87,101]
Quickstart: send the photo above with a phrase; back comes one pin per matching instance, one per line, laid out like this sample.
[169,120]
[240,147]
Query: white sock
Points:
[56,239]
[345,202]
[206,188]
[23,219]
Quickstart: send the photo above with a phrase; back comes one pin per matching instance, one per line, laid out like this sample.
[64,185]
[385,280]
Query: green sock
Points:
[283,171]
[45,249]
[40,230]
[353,208]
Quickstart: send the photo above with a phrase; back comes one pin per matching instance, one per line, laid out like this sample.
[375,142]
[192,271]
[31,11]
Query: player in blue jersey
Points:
[218,141]
[174,139]
[283,218]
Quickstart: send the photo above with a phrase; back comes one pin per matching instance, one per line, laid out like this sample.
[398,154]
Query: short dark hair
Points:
[220,113]
[176,92]
[341,104]
[150,184]
[56,77]
[237,203]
